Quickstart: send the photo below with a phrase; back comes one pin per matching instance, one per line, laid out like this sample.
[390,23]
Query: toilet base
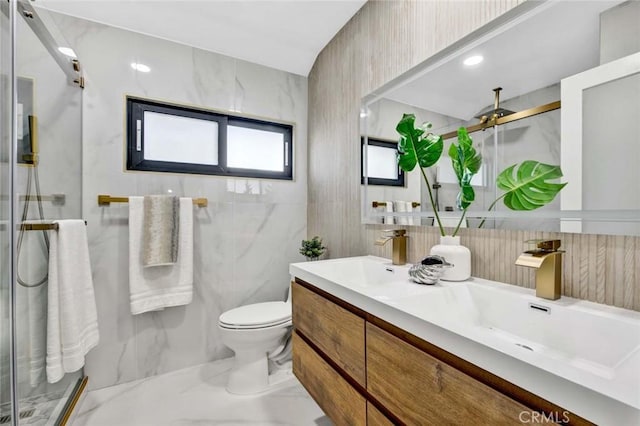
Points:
[250,375]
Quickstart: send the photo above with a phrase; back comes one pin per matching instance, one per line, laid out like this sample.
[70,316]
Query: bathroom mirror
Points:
[524,54]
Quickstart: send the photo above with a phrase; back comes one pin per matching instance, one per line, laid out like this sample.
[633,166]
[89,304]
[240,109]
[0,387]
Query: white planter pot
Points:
[454,253]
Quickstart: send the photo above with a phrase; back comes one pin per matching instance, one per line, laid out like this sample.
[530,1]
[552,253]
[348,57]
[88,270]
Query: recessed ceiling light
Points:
[473,60]
[140,67]
[67,51]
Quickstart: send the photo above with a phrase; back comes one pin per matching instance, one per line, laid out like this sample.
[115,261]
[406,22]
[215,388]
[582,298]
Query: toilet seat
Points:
[258,315]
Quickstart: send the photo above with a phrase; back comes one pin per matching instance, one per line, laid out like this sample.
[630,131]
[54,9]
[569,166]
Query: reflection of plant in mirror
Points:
[312,249]
[528,189]
[419,147]
[466,163]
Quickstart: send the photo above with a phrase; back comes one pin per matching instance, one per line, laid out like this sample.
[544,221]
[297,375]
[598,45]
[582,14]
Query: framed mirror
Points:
[529,56]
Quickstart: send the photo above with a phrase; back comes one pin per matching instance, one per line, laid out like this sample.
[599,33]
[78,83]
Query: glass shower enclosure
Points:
[40,181]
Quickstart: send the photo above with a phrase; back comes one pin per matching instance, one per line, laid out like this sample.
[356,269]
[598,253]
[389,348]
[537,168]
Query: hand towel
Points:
[388,220]
[72,321]
[161,230]
[409,207]
[400,207]
[151,289]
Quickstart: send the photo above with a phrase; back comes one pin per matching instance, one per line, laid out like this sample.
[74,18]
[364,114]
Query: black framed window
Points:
[172,138]
[381,162]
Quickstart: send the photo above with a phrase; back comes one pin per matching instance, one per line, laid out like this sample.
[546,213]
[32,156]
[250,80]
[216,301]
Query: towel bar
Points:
[40,226]
[105,200]
[383,203]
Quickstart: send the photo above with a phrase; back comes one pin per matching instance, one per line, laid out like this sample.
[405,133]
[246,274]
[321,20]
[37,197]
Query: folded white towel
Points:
[36,305]
[159,287]
[400,207]
[388,220]
[72,321]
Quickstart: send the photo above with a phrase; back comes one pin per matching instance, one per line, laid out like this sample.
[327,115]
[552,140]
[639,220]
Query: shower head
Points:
[31,157]
[500,112]
[33,134]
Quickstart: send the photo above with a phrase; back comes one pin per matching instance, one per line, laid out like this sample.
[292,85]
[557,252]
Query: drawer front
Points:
[341,402]
[375,417]
[420,389]
[338,333]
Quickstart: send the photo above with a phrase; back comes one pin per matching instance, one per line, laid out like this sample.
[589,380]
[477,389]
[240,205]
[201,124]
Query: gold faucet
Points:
[547,260]
[399,249]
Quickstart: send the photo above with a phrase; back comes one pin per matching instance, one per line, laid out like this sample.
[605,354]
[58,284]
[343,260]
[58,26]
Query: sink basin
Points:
[594,345]
[579,333]
[368,275]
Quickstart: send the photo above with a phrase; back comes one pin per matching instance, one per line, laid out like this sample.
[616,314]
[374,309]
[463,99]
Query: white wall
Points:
[244,240]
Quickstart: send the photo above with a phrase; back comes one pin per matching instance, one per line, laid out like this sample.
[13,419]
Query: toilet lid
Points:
[257,315]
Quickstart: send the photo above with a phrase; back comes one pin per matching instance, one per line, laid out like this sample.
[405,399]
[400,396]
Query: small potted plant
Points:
[312,249]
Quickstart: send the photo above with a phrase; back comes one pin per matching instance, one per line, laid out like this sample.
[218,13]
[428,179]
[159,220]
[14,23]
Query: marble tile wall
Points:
[244,239]
[382,41]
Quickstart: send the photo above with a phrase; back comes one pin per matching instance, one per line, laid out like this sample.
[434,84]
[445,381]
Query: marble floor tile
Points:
[196,396]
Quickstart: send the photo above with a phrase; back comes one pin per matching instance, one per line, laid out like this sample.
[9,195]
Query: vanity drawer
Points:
[420,389]
[338,333]
[375,417]
[337,398]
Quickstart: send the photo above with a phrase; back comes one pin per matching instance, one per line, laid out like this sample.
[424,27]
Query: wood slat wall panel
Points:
[382,41]
[598,268]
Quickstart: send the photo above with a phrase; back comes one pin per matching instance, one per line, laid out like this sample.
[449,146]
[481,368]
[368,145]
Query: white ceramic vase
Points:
[454,253]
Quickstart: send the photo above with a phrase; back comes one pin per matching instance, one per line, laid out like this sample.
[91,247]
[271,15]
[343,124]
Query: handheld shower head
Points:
[33,134]
[34,148]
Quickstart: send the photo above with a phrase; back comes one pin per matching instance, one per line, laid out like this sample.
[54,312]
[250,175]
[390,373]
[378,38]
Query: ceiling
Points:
[284,34]
[558,39]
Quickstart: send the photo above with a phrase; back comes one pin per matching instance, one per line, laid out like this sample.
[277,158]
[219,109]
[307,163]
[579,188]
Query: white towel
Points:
[72,321]
[37,346]
[389,209]
[156,288]
[161,230]
[409,207]
[400,207]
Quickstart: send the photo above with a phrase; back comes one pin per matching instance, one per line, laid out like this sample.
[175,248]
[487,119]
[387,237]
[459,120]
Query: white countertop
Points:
[582,356]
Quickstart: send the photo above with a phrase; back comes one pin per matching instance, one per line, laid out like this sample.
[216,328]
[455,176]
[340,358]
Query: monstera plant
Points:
[527,189]
[418,146]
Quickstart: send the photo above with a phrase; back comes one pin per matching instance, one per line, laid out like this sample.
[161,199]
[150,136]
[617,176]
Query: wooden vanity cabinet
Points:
[338,399]
[419,389]
[363,370]
[336,332]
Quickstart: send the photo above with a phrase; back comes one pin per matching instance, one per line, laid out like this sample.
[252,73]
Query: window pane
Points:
[255,149]
[382,162]
[180,139]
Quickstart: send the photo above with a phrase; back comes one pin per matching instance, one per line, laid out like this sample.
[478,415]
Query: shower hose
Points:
[31,175]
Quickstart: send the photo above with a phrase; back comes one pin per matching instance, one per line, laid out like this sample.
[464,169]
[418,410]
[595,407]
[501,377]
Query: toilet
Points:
[255,333]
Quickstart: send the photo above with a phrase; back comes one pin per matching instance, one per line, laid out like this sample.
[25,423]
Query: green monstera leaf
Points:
[529,189]
[466,163]
[417,146]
